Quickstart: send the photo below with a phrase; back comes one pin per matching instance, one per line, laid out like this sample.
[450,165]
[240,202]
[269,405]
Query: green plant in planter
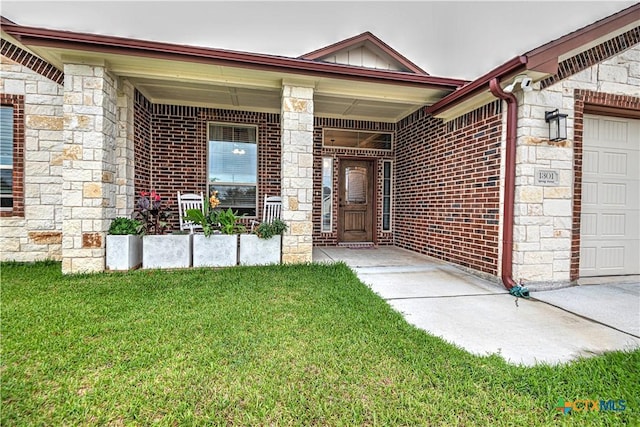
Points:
[123,226]
[212,220]
[229,222]
[267,230]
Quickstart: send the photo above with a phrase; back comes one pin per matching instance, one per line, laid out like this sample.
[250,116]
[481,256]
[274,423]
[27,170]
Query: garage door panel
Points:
[613,225]
[610,219]
[612,194]
[615,132]
[590,162]
[614,163]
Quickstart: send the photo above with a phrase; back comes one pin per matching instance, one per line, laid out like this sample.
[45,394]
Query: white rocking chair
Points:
[271,210]
[189,201]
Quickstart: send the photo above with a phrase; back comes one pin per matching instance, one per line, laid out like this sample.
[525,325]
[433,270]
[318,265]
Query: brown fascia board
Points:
[543,58]
[361,38]
[482,83]
[32,36]
[6,21]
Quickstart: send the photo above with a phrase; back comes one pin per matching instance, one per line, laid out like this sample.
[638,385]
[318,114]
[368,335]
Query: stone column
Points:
[543,213]
[125,172]
[297,172]
[88,168]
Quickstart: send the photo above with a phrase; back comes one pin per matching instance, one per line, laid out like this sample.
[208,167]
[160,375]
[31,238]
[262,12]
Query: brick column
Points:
[88,168]
[297,172]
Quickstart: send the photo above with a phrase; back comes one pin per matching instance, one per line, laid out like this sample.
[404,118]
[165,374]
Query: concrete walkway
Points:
[480,316]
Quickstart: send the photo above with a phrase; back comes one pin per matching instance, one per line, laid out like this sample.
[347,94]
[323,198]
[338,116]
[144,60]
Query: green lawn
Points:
[287,345]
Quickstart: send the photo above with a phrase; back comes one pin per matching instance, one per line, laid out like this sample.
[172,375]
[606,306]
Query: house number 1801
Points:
[548,177]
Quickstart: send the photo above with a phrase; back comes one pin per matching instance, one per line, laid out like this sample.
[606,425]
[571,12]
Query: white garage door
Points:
[610,220]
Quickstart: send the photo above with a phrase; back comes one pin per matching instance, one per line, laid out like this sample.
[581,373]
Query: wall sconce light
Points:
[557,125]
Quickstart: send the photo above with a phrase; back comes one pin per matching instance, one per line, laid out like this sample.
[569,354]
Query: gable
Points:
[367,51]
[363,56]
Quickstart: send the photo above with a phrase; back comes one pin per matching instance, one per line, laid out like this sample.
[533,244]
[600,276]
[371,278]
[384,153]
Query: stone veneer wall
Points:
[297,172]
[546,233]
[33,230]
[319,152]
[447,193]
[89,168]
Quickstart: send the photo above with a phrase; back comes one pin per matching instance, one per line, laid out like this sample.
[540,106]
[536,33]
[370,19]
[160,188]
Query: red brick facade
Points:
[587,101]
[17,102]
[436,211]
[142,112]
[319,152]
[171,149]
[447,187]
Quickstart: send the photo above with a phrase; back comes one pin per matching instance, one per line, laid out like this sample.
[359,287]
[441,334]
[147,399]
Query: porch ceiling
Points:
[241,88]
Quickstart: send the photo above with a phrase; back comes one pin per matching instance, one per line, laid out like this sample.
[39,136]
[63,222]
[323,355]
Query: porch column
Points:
[297,171]
[89,165]
[125,172]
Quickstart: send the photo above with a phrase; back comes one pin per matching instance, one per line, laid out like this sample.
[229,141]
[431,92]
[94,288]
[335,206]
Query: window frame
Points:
[8,167]
[330,166]
[389,196]
[222,183]
[383,150]
[17,103]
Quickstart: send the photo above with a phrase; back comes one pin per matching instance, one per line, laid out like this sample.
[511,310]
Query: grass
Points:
[284,345]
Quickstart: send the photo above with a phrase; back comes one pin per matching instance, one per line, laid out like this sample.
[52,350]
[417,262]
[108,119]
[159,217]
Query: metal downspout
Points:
[509,182]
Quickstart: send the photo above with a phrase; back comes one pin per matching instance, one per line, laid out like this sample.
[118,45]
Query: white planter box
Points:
[124,252]
[256,251]
[217,250]
[166,251]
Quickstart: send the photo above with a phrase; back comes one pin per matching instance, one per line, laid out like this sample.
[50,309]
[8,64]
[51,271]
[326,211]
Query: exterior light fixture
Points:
[526,83]
[557,125]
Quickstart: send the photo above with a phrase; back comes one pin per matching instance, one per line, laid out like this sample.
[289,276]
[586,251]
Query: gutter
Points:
[517,64]
[509,189]
[31,36]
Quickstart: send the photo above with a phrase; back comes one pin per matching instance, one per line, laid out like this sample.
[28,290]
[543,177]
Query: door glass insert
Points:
[355,188]
[327,196]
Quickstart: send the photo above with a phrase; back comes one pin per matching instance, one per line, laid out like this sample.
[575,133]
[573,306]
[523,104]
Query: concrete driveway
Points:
[480,316]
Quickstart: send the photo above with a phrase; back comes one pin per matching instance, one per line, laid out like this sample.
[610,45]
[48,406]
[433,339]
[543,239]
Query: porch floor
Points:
[480,316]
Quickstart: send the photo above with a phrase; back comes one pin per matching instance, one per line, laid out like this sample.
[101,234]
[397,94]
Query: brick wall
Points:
[171,149]
[142,141]
[331,238]
[447,192]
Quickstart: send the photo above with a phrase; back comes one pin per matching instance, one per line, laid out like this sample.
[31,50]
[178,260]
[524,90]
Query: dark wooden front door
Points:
[355,208]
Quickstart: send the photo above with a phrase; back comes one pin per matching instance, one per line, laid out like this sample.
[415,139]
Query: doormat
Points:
[357,245]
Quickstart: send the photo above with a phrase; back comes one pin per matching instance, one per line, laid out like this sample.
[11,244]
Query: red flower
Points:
[144,194]
[155,196]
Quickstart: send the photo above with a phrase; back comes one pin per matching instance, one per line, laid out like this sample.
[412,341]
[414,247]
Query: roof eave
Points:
[543,60]
[480,84]
[110,44]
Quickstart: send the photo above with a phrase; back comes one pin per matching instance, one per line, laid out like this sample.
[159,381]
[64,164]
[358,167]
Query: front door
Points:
[355,201]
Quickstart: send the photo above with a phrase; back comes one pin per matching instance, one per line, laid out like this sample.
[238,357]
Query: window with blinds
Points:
[6,157]
[233,166]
